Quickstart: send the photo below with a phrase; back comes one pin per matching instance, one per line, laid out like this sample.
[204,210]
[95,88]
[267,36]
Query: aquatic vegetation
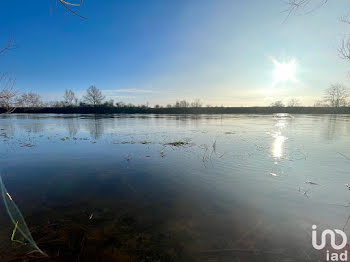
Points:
[144,142]
[27,145]
[208,153]
[205,154]
[305,193]
[343,155]
[17,219]
[14,232]
[128,142]
[214,146]
[178,143]
[310,182]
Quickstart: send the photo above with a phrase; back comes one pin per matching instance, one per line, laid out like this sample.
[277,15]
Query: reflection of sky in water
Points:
[221,193]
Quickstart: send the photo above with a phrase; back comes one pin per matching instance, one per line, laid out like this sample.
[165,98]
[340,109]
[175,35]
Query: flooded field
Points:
[173,187]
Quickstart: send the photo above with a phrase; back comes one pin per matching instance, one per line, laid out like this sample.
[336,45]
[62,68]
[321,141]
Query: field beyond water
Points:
[179,110]
[161,187]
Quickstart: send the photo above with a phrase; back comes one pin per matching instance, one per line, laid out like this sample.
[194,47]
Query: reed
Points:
[17,219]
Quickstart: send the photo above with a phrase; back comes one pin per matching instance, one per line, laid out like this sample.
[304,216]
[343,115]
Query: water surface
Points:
[119,187]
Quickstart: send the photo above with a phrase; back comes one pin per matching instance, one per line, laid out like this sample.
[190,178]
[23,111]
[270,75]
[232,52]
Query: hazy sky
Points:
[220,51]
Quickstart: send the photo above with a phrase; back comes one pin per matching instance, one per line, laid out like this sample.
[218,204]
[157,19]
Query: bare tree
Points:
[320,103]
[109,103]
[7,92]
[54,104]
[277,104]
[196,103]
[69,97]
[34,100]
[29,100]
[182,103]
[93,96]
[120,104]
[293,102]
[337,95]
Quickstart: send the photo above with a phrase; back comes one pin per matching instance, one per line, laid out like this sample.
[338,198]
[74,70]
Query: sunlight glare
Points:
[277,149]
[284,71]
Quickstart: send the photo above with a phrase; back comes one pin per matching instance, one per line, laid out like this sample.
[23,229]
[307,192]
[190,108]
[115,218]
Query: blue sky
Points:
[158,51]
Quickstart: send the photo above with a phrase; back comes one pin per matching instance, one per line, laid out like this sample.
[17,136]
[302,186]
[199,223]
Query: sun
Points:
[284,71]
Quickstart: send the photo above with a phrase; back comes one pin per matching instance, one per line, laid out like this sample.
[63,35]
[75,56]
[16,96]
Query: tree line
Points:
[336,95]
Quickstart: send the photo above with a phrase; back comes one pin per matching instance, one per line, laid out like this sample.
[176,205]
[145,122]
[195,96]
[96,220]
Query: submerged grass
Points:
[13,234]
[343,155]
[178,143]
[17,219]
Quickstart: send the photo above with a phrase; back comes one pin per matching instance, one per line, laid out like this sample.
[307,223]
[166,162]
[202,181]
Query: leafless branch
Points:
[295,5]
[67,4]
[345,156]
[8,46]
[344,49]
[72,4]
[7,92]
[345,19]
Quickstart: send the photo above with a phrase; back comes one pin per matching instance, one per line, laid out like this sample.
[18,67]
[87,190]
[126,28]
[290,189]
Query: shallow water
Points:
[115,187]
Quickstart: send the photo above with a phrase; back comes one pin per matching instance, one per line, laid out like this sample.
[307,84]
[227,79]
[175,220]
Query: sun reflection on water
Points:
[279,139]
[278,145]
